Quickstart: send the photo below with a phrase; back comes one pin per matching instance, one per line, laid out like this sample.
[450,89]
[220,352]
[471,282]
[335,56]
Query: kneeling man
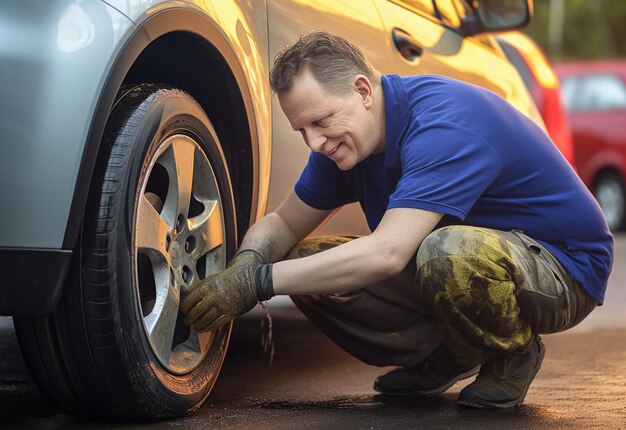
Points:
[482,238]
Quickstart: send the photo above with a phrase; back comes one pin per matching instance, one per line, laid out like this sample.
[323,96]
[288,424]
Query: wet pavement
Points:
[314,384]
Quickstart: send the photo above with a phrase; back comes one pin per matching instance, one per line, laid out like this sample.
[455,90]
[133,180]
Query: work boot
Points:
[434,375]
[503,381]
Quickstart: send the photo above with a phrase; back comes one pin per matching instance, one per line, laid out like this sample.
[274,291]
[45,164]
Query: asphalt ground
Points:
[312,383]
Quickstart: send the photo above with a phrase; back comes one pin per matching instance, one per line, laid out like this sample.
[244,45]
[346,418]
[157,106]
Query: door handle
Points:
[408,47]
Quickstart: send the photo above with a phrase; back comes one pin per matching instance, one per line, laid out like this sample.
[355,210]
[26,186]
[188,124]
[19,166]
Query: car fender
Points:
[52,76]
[246,61]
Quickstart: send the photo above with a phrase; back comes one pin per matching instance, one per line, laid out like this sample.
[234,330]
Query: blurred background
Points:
[570,30]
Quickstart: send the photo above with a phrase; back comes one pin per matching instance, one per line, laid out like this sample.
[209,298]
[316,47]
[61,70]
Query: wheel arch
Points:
[599,164]
[182,48]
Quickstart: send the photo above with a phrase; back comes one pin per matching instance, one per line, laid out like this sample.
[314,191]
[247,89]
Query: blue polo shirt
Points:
[461,150]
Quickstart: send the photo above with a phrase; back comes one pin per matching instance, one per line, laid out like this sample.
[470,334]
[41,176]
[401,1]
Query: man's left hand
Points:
[223,296]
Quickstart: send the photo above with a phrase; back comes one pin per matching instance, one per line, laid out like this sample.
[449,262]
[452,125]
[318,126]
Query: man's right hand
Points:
[224,295]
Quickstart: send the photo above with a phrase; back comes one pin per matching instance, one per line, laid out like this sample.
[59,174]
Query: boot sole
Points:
[434,391]
[485,404]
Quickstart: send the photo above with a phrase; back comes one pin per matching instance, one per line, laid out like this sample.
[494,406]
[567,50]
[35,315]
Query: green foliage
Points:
[592,29]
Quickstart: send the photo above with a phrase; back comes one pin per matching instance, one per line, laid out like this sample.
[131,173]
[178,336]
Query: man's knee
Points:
[316,244]
[455,258]
[463,240]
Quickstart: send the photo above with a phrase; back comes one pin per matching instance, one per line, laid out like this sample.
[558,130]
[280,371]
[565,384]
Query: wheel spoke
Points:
[151,231]
[179,162]
[208,228]
[161,322]
[184,154]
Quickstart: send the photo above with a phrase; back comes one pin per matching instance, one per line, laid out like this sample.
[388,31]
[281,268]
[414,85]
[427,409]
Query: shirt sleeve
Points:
[445,168]
[323,185]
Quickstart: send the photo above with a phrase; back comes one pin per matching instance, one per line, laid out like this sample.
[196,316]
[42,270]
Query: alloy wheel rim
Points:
[178,240]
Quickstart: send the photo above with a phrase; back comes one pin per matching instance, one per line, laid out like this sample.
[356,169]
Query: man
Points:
[482,235]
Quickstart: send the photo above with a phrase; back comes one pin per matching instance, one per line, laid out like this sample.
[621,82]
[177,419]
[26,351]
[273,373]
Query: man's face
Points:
[341,127]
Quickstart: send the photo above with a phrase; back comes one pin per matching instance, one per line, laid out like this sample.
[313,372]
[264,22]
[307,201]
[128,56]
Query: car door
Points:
[359,22]
[427,38]
[424,41]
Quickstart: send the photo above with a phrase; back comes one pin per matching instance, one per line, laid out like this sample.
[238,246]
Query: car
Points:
[543,84]
[139,140]
[595,97]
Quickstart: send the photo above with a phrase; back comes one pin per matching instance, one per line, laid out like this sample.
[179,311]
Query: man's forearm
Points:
[271,237]
[361,261]
[354,264]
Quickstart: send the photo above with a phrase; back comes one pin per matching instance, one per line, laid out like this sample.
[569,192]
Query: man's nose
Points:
[316,140]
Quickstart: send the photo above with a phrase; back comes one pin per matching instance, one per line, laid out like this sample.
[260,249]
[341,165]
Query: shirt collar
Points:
[396,117]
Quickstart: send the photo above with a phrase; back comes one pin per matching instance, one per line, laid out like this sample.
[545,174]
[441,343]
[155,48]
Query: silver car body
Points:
[62,63]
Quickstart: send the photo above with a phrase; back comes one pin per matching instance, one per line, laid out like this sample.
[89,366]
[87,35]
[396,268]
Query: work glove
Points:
[225,295]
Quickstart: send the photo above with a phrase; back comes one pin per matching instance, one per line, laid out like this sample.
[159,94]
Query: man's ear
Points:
[363,87]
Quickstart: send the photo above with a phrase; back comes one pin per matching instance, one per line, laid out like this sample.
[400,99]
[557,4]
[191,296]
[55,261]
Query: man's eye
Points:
[324,122]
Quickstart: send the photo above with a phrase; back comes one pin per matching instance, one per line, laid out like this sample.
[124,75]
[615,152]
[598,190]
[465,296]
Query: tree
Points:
[592,29]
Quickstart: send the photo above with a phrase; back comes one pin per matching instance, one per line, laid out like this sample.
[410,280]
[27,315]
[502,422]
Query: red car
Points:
[595,96]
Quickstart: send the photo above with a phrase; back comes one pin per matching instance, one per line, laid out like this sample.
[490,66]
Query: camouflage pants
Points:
[482,292]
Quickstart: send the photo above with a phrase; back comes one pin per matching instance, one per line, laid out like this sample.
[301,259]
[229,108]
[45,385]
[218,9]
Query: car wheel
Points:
[160,216]
[609,191]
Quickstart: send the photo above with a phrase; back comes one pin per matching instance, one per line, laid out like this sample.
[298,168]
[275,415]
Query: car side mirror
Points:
[497,15]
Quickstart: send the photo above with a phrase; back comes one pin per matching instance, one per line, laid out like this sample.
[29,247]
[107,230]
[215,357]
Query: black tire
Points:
[610,193]
[95,354]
